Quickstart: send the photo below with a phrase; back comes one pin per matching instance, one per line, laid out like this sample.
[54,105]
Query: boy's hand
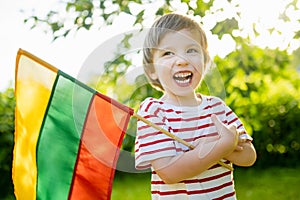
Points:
[241,141]
[229,136]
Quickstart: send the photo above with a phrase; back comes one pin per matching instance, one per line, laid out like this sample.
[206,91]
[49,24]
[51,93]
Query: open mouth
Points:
[183,78]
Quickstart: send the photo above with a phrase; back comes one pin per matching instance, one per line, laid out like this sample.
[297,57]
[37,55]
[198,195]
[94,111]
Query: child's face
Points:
[179,62]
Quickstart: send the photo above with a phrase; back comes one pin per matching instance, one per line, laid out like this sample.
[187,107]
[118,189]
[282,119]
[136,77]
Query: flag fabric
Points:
[67,135]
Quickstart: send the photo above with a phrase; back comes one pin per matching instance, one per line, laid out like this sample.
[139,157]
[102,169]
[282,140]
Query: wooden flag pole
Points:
[174,137]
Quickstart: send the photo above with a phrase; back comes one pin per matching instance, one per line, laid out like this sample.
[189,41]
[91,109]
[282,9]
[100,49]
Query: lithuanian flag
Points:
[67,135]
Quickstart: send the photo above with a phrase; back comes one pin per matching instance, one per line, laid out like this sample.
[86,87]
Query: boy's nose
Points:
[181,61]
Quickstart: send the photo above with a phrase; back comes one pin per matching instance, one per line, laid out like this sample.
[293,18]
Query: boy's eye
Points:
[167,53]
[192,51]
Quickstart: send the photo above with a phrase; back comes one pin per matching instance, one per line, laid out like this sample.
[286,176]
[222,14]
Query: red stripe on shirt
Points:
[218,165]
[156,151]
[149,134]
[155,142]
[225,196]
[202,180]
[180,119]
[148,126]
[192,128]
[232,121]
[193,191]
[229,113]
[166,111]
[213,105]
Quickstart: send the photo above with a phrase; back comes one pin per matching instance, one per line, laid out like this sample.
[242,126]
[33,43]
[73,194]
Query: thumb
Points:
[224,130]
[220,126]
[217,122]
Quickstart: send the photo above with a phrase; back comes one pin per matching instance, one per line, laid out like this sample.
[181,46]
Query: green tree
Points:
[7,106]
[263,88]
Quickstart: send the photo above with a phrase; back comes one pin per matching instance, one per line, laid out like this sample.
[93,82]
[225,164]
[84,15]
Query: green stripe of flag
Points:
[60,137]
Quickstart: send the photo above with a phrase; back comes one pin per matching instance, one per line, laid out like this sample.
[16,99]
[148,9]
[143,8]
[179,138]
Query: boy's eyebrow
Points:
[195,45]
[168,47]
[163,48]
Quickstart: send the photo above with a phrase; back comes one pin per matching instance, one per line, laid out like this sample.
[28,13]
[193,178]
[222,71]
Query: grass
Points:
[131,186]
[274,183]
[250,184]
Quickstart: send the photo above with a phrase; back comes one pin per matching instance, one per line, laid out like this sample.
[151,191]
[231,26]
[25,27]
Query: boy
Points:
[175,61]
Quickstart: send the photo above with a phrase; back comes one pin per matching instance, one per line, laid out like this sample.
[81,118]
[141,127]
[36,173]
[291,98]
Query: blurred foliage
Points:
[7,106]
[83,14]
[263,88]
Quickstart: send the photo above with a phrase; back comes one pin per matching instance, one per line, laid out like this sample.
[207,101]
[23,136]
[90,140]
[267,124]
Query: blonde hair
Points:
[162,26]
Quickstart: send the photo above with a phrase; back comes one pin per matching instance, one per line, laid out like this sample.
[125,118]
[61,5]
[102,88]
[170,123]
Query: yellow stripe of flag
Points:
[29,122]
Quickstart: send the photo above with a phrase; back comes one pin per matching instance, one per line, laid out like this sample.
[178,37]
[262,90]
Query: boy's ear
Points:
[153,75]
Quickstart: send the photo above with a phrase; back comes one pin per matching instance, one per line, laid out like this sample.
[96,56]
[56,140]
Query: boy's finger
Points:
[233,128]
[239,148]
[221,126]
[217,122]
[223,129]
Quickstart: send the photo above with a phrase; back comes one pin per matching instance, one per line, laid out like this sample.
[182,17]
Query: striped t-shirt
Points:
[190,124]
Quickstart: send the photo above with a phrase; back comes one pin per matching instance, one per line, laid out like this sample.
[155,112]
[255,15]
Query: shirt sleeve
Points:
[151,143]
[232,118]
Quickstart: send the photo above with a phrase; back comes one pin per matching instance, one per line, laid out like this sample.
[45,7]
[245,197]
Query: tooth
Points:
[183,75]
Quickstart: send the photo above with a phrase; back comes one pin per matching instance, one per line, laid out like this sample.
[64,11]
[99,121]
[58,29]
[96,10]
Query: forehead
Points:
[184,36]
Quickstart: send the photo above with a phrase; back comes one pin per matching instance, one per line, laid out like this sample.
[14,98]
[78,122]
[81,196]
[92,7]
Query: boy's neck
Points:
[193,100]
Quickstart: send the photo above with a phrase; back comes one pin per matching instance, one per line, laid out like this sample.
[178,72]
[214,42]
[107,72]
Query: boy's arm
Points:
[207,153]
[245,156]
